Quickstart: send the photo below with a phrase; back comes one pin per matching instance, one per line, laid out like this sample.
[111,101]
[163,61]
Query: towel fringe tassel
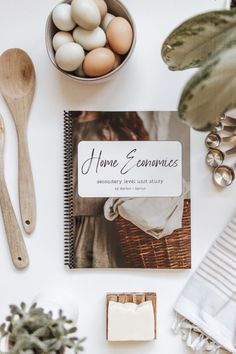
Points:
[194,337]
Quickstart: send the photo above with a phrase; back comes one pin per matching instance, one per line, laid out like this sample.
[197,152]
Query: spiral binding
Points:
[68,192]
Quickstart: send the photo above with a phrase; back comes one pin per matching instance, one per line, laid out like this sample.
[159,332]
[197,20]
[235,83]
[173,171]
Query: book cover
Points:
[127,190]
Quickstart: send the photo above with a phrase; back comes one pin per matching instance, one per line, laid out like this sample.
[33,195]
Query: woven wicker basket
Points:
[140,250]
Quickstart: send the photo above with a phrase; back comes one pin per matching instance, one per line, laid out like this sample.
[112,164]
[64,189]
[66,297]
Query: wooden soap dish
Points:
[136,298]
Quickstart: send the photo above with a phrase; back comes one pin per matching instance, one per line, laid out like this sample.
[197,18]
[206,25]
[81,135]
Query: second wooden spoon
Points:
[16,243]
[17,85]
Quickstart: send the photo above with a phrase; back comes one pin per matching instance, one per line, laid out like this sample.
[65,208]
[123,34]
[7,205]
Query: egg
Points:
[102,7]
[79,72]
[107,19]
[98,62]
[90,39]
[86,13]
[117,61]
[69,56]
[61,38]
[118,58]
[120,35]
[61,17]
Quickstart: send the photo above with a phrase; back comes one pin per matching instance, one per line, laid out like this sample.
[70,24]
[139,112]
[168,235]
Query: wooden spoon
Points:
[15,240]
[17,85]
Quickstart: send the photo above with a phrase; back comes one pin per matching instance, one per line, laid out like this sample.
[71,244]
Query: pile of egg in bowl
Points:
[90,42]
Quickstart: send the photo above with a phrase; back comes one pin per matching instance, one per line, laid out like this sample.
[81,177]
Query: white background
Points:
[145,84]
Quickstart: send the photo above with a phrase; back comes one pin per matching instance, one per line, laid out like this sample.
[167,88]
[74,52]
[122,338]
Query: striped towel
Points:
[206,309]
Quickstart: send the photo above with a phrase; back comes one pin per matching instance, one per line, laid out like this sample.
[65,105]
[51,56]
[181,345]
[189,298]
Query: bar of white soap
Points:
[131,322]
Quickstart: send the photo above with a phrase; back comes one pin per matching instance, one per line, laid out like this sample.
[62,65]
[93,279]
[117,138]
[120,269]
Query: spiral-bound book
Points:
[127,190]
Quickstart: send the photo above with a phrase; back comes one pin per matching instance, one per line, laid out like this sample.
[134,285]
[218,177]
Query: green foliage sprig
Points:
[33,331]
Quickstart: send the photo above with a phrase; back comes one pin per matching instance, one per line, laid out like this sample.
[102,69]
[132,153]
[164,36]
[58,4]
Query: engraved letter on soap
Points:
[129,169]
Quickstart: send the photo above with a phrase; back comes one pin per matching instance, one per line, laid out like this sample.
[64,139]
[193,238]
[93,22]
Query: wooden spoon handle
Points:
[16,243]
[26,185]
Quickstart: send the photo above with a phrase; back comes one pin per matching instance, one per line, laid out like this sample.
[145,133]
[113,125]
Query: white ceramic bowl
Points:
[116,8]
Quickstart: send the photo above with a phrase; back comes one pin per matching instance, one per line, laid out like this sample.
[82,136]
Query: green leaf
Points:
[193,42]
[211,91]
[42,332]
[72,330]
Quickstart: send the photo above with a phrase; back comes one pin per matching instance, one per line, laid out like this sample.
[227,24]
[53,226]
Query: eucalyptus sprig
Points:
[33,331]
[208,42]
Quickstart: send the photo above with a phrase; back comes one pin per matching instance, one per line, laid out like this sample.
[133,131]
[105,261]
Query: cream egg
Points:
[79,72]
[120,35]
[107,19]
[69,56]
[61,17]
[102,7]
[98,62]
[61,38]
[90,39]
[86,13]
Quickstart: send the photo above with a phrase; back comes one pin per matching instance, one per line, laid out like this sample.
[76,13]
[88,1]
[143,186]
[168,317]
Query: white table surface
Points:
[145,84]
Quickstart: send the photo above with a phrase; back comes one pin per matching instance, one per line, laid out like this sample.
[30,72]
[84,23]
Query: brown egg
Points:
[120,35]
[117,61]
[102,7]
[98,62]
[117,58]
